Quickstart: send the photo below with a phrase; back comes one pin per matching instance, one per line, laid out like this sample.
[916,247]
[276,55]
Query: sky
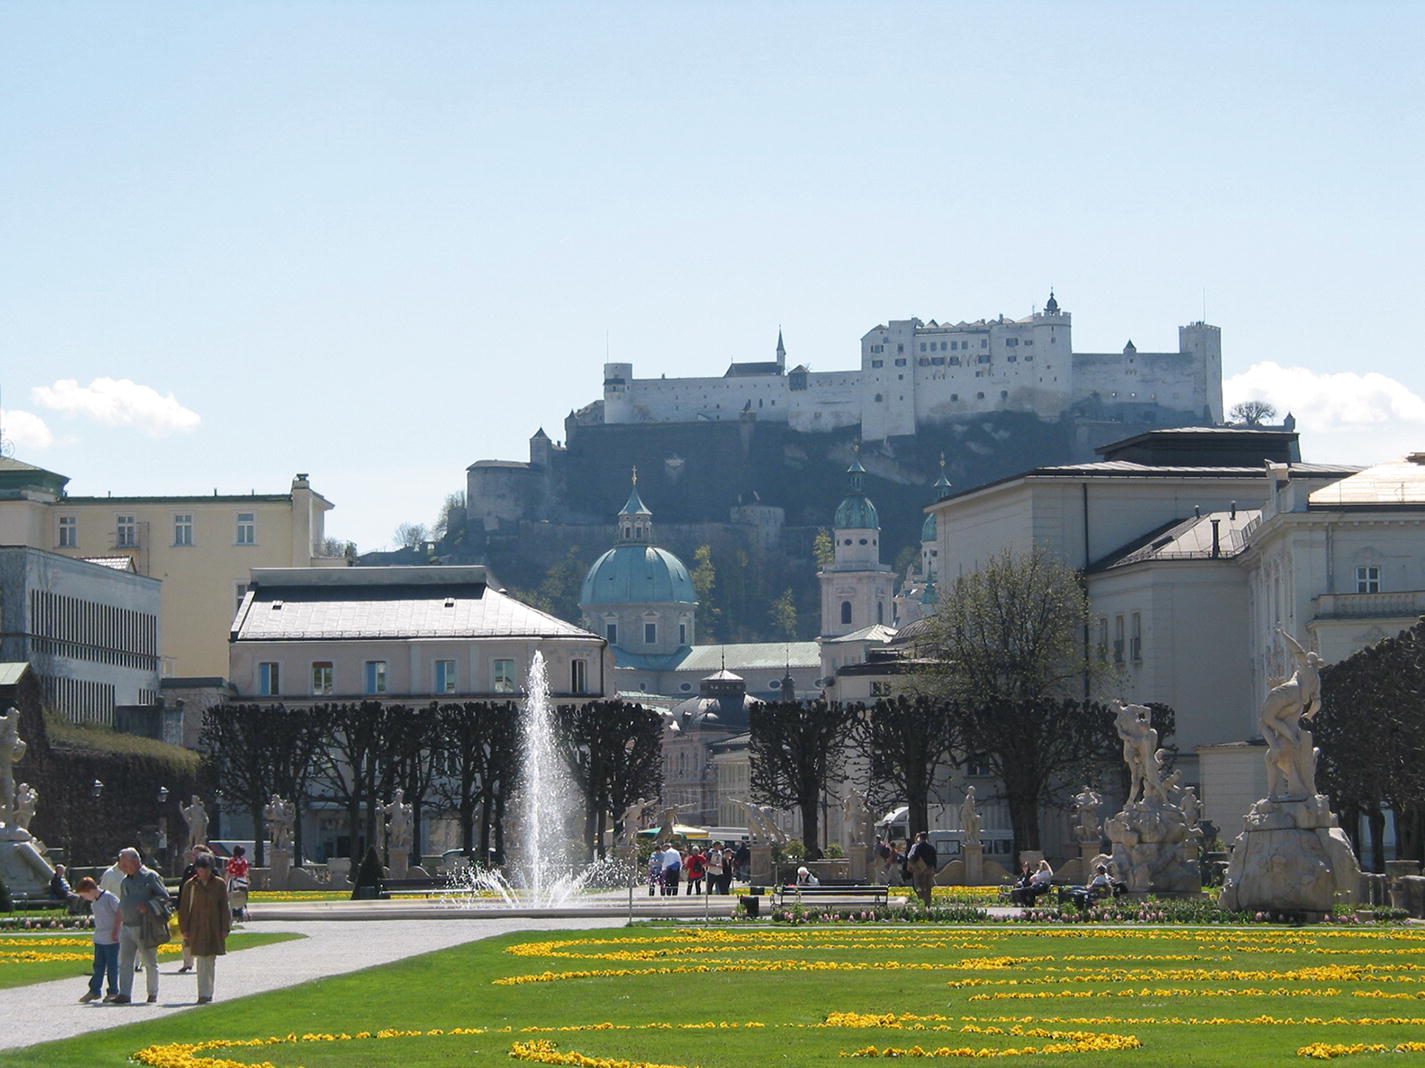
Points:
[377,242]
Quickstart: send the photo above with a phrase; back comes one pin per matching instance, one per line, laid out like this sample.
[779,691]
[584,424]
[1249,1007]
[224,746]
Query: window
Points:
[68,532]
[504,671]
[682,634]
[126,532]
[323,677]
[578,676]
[878,363]
[846,611]
[447,679]
[240,590]
[900,362]
[247,528]
[1135,640]
[977,766]
[375,676]
[183,529]
[611,633]
[650,634]
[1368,579]
[880,689]
[268,680]
[1103,637]
[1118,639]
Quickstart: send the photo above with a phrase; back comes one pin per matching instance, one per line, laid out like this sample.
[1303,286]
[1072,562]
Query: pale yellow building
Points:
[201,548]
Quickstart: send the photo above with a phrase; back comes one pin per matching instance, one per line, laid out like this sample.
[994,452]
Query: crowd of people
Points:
[132,911]
[702,871]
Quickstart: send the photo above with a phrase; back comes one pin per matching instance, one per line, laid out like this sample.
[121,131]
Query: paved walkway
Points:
[43,1012]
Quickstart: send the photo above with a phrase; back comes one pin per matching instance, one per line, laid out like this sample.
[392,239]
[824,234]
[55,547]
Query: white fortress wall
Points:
[687,400]
[831,400]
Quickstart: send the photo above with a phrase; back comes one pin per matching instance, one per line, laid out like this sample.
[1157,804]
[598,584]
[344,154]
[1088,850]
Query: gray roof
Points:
[1186,539]
[1398,482]
[334,603]
[743,658]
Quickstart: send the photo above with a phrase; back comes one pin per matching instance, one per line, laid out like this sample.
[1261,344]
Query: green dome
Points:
[857,513]
[928,528]
[637,574]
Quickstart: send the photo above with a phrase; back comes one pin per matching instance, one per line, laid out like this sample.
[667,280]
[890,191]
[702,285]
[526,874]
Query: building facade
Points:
[402,633]
[90,632]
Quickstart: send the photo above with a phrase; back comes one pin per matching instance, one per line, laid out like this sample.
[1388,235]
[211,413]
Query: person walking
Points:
[715,868]
[237,876]
[924,865]
[672,869]
[742,861]
[696,865]
[205,918]
[141,893]
[106,939]
[193,854]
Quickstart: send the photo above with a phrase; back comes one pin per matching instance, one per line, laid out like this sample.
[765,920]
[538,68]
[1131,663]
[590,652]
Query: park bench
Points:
[831,893]
[431,884]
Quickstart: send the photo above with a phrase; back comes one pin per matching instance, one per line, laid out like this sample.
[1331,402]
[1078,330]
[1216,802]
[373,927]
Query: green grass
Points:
[1164,987]
[22,973]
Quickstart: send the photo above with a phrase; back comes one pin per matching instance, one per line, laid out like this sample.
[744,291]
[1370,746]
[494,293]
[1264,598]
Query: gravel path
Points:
[43,1012]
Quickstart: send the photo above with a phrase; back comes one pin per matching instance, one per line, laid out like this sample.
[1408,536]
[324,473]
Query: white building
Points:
[913,373]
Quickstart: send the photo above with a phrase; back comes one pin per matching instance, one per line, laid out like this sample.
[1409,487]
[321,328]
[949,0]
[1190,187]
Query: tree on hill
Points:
[1252,412]
[704,576]
[797,748]
[783,617]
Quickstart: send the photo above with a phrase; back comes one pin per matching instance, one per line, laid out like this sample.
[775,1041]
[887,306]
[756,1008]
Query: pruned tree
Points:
[476,746]
[614,753]
[414,755]
[908,742]
[357,766]
[1371,732]
[1252,412]
[797,748]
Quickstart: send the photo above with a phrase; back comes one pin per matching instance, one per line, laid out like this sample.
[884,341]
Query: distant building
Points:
[915,373]
[202,548]
[856,588]
[90,632]
[402,633]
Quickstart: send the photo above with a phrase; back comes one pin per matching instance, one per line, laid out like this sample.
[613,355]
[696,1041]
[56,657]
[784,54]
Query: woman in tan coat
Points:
[205,920]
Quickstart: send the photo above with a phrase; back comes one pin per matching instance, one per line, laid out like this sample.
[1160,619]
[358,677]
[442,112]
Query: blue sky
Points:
[379,241]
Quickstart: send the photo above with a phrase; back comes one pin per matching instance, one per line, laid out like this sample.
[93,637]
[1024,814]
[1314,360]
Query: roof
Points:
[1186,539]
[876,632]
[117,563]
[1205,445]
[12,673]
[196,498]
[743,659]
[427,604]
[856,512]
[1397,482]
[637,574]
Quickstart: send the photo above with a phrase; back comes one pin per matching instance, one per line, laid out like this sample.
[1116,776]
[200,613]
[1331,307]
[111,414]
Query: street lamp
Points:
[162,826]
[97,789]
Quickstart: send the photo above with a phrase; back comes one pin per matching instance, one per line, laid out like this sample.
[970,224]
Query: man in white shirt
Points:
[672,867]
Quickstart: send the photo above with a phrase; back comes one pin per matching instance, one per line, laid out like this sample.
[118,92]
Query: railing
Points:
[1369,605]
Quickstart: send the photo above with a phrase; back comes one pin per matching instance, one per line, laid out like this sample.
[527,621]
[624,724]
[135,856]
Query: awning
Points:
[896,815]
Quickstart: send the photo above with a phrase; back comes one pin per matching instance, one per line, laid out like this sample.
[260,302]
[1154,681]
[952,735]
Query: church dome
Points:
[857,513]
[637,574]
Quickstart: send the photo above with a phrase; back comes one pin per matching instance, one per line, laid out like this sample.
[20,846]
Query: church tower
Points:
[856,588]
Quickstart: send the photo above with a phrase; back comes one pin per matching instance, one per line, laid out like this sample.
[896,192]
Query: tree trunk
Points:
[258,847]
[809,827]
[1351,824]
[1376,818]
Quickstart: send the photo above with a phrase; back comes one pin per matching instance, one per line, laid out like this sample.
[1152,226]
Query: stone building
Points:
[856,588]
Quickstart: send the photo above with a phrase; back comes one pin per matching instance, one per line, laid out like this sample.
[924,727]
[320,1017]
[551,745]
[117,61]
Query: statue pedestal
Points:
[1291,857]
[973,853]
[1148,849]
[400,864]
[280,865]
[859,858]
[25,871]
[339,872]
[761,864]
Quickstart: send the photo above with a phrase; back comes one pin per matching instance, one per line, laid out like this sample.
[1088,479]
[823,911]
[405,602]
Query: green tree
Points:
[1007,644]
[705,585]
[797,748]
[824,549]
[783,616]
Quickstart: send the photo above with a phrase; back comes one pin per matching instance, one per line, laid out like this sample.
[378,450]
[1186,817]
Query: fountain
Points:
[543,876]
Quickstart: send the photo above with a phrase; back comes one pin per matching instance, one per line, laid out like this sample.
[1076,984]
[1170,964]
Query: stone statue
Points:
[12,751]
[401,823]
[26,800]
[1291,758]
[1191,806]
[1087,802]
[853,814]
[970,821]
[762,823]
[1140,742]
[197,819]
[633,817]
[669,822]
[281,814]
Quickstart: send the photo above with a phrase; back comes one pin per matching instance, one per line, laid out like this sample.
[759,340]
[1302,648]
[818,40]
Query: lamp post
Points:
[96,790]
[162,826]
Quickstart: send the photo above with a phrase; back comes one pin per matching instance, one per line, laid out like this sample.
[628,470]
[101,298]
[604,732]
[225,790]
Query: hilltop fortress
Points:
[753,461]
[914,374]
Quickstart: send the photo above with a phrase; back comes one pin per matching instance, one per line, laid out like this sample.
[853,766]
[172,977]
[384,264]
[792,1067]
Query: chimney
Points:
[1234,510]
[1216,539]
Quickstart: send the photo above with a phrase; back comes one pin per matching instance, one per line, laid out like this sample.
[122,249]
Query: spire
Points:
[942,484]
[781,350]
[1052,307]
[635,521]
[635,505]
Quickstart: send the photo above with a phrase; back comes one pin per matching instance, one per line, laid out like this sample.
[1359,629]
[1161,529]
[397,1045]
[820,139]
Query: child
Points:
[106,939]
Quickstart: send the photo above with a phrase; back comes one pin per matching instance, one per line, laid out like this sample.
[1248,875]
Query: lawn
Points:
[38,958]
[739,995]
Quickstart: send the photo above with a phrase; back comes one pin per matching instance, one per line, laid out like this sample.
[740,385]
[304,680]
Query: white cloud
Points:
[25,430]
[119,402]
[1343,416]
